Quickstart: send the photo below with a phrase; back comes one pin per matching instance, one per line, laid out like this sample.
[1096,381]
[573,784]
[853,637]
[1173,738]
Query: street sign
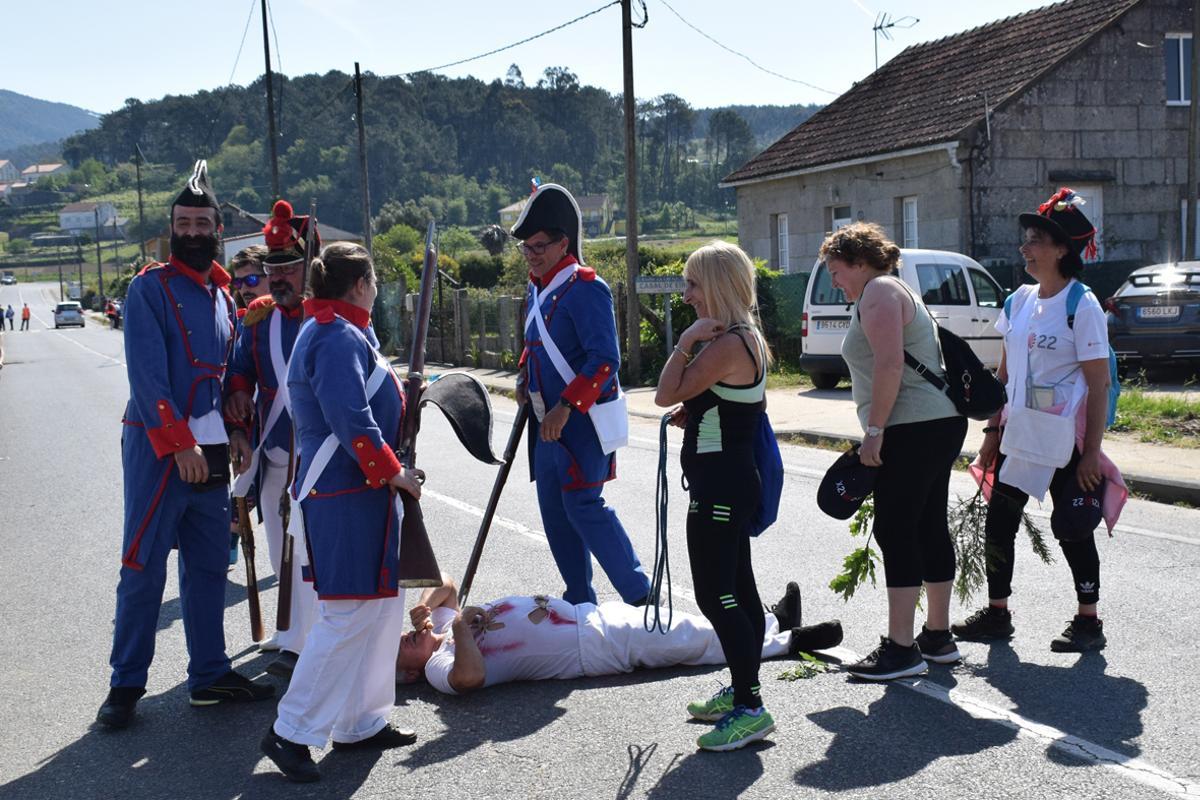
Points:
[660,284]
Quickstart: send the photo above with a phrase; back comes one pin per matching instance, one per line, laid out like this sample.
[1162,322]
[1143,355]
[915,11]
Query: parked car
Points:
[8,279]
[1154,318]
[960,294]
[68,312]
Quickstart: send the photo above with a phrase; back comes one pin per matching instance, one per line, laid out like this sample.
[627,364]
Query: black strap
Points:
[757,370]
[924,372]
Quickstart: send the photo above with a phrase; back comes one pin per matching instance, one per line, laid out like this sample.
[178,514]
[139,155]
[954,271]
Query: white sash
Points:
[279,365]
[321,459]
[611,419]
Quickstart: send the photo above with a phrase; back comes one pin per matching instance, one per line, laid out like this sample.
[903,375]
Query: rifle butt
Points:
[418,565]
[246,534]
[283,616]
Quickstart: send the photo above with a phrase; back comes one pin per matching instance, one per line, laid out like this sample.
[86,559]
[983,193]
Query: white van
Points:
[959,293]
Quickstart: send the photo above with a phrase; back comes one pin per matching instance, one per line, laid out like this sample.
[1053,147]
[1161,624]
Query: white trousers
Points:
[613,640]
[304,599]
[344,685]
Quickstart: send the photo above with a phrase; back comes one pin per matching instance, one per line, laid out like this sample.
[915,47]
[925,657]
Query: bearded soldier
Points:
[260,364]
[175,456]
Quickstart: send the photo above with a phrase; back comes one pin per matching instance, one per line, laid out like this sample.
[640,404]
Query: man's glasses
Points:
[536,249]
[249,281]
[288,268]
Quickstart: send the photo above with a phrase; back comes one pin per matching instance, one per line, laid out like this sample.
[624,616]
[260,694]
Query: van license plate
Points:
[832,324]
[1158,312]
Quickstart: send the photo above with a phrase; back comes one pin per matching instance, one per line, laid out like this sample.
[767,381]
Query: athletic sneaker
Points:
[232,688]
[989,622]
[889,661]
[715,707]
[938,646]
[1082,634]
[737,729]
[787,610]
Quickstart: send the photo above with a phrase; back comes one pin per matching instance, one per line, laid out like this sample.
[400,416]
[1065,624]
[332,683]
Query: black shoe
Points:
[641,601]
[284,664]
[117,711]
[815,637]
[889,661]
[294,760]
[787,610]
[1082,634]
[938,646]
[387,738]
[989,622]
[232,688]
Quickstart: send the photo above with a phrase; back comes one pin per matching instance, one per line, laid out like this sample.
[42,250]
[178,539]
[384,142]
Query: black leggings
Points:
[1003,519]
[911,494]
[724,498]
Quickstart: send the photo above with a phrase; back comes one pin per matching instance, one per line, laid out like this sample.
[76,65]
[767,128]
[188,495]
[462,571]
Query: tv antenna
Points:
[884,21]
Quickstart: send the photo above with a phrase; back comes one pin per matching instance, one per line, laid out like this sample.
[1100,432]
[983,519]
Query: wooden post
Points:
[504,318]
[619,306]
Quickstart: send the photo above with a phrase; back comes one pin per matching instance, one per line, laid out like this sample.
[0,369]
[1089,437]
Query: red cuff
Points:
[582,392]
[173,435]
[378,464]
[240,383]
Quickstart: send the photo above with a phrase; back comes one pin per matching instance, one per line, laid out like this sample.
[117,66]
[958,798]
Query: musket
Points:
[510,452]
[418,566]
[246,534]
[283,616]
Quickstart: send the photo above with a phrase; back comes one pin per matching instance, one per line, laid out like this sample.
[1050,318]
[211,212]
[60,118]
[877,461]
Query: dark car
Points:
[1154,318]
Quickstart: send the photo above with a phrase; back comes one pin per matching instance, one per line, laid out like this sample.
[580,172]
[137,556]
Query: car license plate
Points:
[833,324]
[1158,312]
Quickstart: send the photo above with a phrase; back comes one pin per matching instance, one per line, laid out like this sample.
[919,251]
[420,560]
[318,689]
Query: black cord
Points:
[652,614]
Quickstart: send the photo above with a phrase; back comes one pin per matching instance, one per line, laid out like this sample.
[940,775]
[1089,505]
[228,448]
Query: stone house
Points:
[950,140]
[35,172]
[77,218]
[8,171]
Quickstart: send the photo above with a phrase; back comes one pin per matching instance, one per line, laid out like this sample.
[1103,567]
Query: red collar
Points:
[323,311]
[294,313]
[544,281]
[216,273]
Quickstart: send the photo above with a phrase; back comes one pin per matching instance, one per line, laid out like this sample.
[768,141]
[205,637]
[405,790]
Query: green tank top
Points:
[917,399]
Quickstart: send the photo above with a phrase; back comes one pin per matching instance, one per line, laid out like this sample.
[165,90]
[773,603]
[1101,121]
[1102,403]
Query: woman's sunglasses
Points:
[250,281]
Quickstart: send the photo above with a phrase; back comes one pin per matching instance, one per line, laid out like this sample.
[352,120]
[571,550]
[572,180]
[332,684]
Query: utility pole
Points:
[99,272]
[61,294]
[1193,133]
[633,317]
[362,159]
[138,158]
[271,134]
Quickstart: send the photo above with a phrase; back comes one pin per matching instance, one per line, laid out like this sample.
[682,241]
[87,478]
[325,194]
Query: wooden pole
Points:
[1193,133]
[633,357]
[362,162]
[272,135]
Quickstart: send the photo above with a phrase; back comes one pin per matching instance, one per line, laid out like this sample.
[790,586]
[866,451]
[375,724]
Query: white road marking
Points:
[1127,766]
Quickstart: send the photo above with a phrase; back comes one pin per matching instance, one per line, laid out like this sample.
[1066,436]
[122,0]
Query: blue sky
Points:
[95,55]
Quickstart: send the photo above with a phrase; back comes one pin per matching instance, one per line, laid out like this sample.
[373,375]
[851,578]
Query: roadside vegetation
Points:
[1158,418]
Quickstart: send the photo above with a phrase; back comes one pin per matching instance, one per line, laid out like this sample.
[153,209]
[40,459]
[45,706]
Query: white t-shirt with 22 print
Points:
[1054,349]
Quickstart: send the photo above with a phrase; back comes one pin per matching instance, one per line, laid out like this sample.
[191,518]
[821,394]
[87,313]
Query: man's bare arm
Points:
[469,672]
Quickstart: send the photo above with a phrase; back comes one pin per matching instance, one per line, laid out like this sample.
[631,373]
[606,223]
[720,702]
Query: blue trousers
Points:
[579,525]
[198,522]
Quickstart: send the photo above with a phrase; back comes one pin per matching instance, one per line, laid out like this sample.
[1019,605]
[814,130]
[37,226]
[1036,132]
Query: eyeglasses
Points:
[249,281]
[288,268]
[536,249]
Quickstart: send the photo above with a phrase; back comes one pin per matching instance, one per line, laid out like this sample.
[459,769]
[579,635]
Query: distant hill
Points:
[29,121]
[768,123]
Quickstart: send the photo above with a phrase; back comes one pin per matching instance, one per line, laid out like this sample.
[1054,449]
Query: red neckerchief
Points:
[216,273]
[323,311]
[544,281]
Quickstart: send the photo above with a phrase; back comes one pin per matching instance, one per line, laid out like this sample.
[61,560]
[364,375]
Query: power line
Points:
[741,55]
[517,44]
[225,95]
[278,71]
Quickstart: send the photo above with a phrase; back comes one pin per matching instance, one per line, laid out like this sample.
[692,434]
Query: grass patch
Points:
[787,376]
[1158,419]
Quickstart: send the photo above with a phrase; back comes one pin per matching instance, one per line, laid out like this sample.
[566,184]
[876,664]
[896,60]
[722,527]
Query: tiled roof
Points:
[933,92]
[38,169]
[71,208]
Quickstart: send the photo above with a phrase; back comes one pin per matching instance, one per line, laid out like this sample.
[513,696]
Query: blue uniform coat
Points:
[350,521]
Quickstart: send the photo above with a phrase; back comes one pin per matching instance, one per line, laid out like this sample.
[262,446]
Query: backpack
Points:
[1074,295]
[770,473]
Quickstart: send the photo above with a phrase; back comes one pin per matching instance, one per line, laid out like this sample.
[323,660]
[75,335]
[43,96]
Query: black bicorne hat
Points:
[198,192]
[1062,218]
[552,207]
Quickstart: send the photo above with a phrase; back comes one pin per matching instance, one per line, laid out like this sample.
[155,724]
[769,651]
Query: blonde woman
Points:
[722,388]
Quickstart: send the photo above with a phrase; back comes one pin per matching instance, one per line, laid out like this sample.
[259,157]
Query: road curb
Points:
[1150,487]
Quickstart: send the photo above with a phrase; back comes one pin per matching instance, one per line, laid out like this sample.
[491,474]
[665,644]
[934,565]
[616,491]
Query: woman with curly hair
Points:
[912,433]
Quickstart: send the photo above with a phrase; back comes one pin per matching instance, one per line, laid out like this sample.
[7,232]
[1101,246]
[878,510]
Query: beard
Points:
[197,252]
[284,294]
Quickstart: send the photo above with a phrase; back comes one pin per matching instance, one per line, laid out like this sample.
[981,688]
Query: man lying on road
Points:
[540,637]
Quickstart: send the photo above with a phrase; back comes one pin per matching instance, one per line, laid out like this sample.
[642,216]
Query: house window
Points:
[839,217]
[910,222]
[1177,50]
[1183,217]
[781,226]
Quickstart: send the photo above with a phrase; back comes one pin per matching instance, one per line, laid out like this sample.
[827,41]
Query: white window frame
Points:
[1185,77]
[781,232]
[909,217]
[1183,205]
[837,223]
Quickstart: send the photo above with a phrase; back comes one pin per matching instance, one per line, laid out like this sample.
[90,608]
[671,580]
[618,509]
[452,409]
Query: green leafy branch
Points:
[808,666]
[859,565]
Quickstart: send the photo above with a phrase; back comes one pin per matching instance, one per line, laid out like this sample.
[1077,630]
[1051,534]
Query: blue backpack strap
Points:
[1008,301]
[1074,295]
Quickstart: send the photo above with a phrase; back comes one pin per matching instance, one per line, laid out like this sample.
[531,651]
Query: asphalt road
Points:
[1013,720]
